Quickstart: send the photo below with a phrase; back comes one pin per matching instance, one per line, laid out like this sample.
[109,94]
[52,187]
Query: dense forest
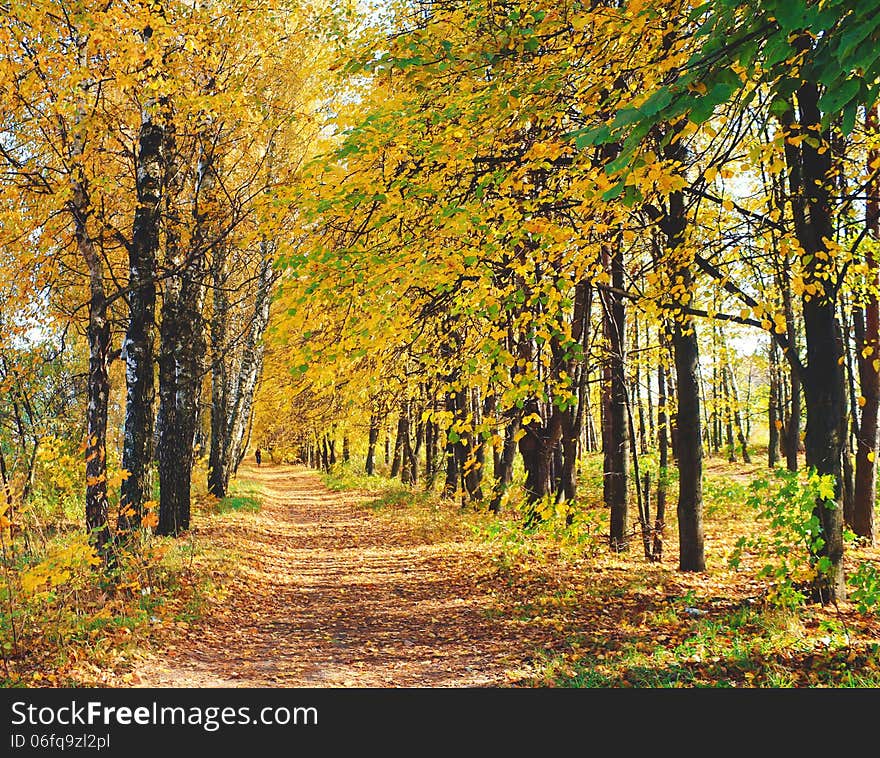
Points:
[542,266]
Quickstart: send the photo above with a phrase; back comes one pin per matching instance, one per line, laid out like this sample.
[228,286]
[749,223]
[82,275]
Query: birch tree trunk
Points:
[138,348]
[181,356]
[98,335]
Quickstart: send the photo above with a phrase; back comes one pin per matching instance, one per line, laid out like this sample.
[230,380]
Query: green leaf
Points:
[836,97]
[657,102]
[826,488]
[848,121]
[594,136]
[698,11]
[614,192]
[627,116]
[776,49]
[779,106]
[851,38]
[789,14]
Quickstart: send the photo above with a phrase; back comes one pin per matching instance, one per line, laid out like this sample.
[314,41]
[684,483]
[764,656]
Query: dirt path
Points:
[329,594]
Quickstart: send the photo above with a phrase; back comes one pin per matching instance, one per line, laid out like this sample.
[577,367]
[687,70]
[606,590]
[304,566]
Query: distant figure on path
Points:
[258,456]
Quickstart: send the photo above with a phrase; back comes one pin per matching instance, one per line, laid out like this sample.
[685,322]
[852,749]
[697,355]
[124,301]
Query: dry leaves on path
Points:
[328,595]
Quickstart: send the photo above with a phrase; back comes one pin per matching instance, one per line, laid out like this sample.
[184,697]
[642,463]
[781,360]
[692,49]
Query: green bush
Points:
[791,537]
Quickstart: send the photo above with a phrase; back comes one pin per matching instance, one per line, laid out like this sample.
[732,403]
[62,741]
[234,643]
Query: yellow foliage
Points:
[60,565]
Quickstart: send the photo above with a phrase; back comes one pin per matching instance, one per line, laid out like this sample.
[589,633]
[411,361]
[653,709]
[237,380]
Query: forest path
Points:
[330,594]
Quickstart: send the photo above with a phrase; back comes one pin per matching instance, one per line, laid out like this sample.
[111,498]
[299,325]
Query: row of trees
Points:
[515,188]
[145,149]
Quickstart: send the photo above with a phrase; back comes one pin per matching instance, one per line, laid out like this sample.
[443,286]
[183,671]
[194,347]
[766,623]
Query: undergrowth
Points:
[69,620]
[616,620]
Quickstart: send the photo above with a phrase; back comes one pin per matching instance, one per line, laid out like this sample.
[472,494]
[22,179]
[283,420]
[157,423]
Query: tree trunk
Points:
[867,356]
[671,396]
[250,365]
[138,348]
[98,393]
[181,356]
[649,395]
[218,456]
[637,391]
[474,450]
[617,460]
[504,472]
[773,421]
[97,333]
[728,415]
[370,467]
[406,452]
[432,435]
[715,418]
[180,366]
[823,380]
[536,448]
[325,454]
[590,425]
[689,436]
[737,415]
[451,483]
[793,429]
[690,449]
[663,458]
[429,453]
[397,461]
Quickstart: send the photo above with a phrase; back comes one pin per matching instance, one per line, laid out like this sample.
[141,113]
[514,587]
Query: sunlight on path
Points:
[329,595]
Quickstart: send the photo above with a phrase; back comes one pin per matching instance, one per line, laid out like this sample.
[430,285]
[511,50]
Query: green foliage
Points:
[743,647]
[344,477]
[723,495]
[791,540]
[566,531]
[865,587]
[744,42]
[246,503]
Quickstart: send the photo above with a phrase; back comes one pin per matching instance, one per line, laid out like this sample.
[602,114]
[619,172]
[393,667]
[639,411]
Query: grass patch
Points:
[242,497]
[424,514]
[238,503]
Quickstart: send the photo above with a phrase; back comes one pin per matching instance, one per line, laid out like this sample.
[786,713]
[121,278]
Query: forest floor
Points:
[326,594]
[348,581]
